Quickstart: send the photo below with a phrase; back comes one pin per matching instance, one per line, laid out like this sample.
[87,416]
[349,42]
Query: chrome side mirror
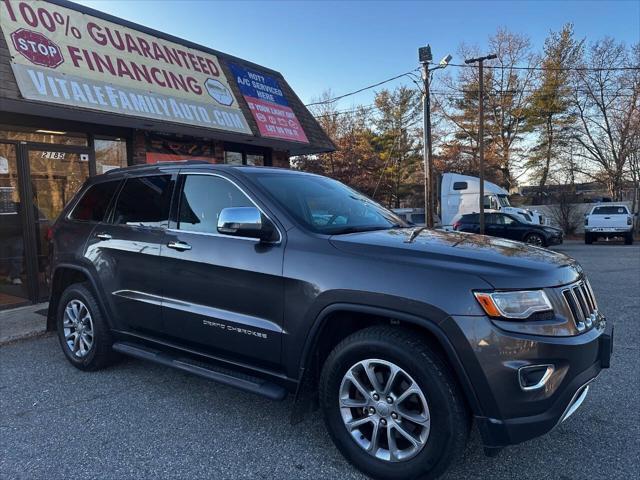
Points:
[245,222]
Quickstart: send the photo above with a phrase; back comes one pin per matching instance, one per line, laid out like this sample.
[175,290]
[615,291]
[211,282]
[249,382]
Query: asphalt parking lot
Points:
[138,420]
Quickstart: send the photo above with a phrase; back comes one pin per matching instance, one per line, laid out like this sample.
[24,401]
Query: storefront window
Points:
[43,136]
[240,158]
[255,159]
[110,154]
[13,289]
[233,158]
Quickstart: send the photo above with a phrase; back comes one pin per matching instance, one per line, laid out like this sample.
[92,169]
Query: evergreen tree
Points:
[550,114]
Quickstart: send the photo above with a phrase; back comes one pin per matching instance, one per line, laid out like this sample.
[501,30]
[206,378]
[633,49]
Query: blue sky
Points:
[343,46]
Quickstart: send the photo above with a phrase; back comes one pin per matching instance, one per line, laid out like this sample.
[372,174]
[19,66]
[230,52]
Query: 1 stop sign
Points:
[37,48]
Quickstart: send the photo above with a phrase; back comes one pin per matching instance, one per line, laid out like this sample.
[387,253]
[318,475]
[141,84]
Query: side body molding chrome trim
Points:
[202,310]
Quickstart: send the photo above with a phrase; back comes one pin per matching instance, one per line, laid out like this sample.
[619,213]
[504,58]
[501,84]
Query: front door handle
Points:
[180,246]
[104,236]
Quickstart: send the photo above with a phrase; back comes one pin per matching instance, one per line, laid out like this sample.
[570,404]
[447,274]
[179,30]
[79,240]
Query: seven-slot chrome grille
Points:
[582,304]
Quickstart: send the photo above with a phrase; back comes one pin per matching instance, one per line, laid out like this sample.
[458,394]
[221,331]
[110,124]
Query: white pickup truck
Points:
[608,221]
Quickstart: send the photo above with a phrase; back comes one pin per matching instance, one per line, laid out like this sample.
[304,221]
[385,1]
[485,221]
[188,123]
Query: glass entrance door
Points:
[55,175]
[13,288]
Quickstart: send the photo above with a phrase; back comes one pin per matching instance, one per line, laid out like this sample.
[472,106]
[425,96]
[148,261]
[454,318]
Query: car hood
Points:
[502,263]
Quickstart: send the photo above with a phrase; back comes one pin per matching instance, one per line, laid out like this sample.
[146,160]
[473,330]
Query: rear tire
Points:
[628,239]
[588,239]
[82,331]
[441,409]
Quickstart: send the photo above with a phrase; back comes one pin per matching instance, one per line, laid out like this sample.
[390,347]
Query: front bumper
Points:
[492,358]
[555,240]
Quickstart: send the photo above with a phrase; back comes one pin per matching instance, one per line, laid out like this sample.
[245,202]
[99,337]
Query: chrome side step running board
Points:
[224,376]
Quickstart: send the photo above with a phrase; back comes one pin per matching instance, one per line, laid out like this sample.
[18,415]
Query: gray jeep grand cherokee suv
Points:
[277,281]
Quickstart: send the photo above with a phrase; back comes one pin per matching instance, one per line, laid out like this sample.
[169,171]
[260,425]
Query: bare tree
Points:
[507,94]
[565,213]
[606,100]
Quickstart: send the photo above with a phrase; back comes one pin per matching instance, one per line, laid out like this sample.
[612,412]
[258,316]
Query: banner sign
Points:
[63,56]
[267,103]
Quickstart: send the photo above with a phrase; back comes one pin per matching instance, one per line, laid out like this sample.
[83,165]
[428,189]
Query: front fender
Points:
[424,316]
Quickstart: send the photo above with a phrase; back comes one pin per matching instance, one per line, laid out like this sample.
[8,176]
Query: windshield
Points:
[326,206]
[504,201]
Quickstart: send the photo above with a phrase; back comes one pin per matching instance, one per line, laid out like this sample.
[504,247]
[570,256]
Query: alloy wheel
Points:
[384,410]
[534,240]
[77,326]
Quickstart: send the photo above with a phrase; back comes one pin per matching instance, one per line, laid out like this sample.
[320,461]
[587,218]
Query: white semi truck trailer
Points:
[460,194]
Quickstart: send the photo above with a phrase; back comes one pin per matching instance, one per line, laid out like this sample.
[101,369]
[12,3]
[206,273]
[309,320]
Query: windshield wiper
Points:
[414,234]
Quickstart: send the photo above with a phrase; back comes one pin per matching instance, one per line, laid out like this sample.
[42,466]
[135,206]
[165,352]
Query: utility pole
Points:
[480,61]
[425,57]
[427,152]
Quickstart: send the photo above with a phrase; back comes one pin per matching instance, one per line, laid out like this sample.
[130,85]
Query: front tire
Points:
[628,239]
[392,406]
[536,240]
[82,331]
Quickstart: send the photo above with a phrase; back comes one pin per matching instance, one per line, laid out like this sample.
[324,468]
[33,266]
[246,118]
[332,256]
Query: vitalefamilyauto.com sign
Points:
[63,56]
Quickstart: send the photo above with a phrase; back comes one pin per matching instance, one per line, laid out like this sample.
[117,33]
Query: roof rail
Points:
[152,165]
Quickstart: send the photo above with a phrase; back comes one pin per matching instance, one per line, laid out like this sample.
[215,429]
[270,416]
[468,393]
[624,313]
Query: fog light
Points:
[534,377]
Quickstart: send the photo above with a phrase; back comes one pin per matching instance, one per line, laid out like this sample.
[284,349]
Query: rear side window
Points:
[493,219]
[460,185]
[470,218]
[613,210]
[93,205]
[144,201]
[203,198]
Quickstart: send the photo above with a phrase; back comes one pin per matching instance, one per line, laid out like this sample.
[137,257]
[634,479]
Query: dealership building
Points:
[83,92]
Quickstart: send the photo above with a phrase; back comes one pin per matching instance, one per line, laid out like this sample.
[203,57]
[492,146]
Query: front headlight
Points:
[516,304]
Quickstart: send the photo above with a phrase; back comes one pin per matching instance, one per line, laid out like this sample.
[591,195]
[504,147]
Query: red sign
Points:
[268,104]
[276,121]
[37,48]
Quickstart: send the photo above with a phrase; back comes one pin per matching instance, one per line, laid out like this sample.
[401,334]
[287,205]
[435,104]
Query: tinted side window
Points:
[509,220]
[493,219]
[144,201]
[203,198]
[470,218]
[93,205]
[460,185]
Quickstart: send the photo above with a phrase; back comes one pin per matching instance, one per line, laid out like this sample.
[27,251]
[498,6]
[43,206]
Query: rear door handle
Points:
[180,246]
[104,236]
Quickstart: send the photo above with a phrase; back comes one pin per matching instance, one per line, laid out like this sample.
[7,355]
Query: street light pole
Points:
[480,61]
[425,57]
[427,151]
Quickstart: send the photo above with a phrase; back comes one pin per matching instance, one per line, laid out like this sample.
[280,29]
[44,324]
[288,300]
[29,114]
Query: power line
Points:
[494,67]
[551,69]
[335,99]
[360,108]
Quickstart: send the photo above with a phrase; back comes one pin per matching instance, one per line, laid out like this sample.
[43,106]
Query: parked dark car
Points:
[277,281]
[509,226]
